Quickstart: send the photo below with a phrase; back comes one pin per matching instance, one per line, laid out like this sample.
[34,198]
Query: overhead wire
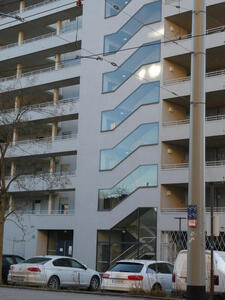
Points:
[38,13]
[97,55]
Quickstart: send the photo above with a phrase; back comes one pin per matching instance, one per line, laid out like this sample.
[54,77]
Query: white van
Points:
[180,272]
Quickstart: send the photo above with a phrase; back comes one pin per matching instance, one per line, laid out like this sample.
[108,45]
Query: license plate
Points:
[117,281]
[18,278]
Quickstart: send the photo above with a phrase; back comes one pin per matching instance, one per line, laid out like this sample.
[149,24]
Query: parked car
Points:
[139,274]
[180,272]
[7,261]
[54,272]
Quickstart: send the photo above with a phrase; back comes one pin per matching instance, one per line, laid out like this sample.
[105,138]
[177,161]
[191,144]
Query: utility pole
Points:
[212,193]
[196,279]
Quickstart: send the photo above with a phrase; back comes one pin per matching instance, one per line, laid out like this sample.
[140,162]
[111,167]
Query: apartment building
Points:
[103,146]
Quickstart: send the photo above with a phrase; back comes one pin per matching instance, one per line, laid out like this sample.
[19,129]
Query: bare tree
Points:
[12,121]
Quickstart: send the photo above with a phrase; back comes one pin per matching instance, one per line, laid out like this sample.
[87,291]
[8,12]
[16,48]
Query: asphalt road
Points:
[29,294]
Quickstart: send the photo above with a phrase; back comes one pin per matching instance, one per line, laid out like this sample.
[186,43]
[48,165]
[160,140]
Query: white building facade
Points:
[103,150]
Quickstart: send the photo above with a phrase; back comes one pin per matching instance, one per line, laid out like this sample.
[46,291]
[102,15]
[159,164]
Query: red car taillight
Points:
[33,269]
[11,267]
[106,276]
[135,277]
[173,278]
[216,280]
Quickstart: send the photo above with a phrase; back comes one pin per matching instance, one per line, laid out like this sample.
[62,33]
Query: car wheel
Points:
[157,287]
[54,283]
[94,283]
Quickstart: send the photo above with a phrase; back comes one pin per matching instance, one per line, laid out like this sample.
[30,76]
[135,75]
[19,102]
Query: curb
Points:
[86,292]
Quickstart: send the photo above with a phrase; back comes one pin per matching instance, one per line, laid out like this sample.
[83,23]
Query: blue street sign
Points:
[192,212]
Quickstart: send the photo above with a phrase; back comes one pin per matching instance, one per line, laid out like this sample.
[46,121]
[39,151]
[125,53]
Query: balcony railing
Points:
[41,71]
[16,12]
[187,78]
[43,175]
[168,2]
[50,104]
[187,121]
[184,209]
[215,163]
[65,29]
[45,140]
[48,213]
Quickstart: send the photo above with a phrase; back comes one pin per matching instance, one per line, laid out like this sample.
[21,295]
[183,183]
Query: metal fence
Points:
[174,241]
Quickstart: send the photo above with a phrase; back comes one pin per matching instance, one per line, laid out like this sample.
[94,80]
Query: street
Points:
[28,294]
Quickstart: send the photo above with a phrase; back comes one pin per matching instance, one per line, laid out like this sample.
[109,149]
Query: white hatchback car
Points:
[54,272]
[142,274]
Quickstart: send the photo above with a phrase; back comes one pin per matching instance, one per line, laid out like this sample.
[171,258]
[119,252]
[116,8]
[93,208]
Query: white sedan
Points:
[146,275]
[54,272]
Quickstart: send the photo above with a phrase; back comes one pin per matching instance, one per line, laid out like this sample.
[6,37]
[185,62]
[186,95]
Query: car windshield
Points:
[37,260]
[127,267]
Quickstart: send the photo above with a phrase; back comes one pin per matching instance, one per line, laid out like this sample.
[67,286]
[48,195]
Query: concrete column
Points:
[57,61]
[11,203]
[22,6]
[15,136]
[54,130]
[20,38]
[13,169]
[17,102]
[52,165]
[59,27]
[56,96]
[18,70]
[51,200]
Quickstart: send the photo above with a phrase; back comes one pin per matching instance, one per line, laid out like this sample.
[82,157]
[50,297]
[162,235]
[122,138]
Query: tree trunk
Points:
[2,221]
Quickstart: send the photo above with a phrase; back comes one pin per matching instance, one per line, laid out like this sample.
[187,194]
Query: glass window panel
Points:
[143,176]
[128,267]
[146,54]
[146,134]
[113,7]
[148,225]
[146,94]
[149,13]
[121,246]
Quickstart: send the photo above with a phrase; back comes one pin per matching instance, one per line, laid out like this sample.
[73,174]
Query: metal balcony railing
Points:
[65,29]
[43,175]
[38,106]
[187,121]
[16,12]
[184,209]
[48,213]
[216,163]
[41,71]
[46,140]
[168,2]
[187,78]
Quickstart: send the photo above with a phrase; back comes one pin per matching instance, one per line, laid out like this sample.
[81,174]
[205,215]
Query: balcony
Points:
[62,110]
[49,44]
[183,42]
[173,7]
[57,9]
[175,130]
[47,78]
[63,181]
[181,86]
[178,173]
[44,147]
